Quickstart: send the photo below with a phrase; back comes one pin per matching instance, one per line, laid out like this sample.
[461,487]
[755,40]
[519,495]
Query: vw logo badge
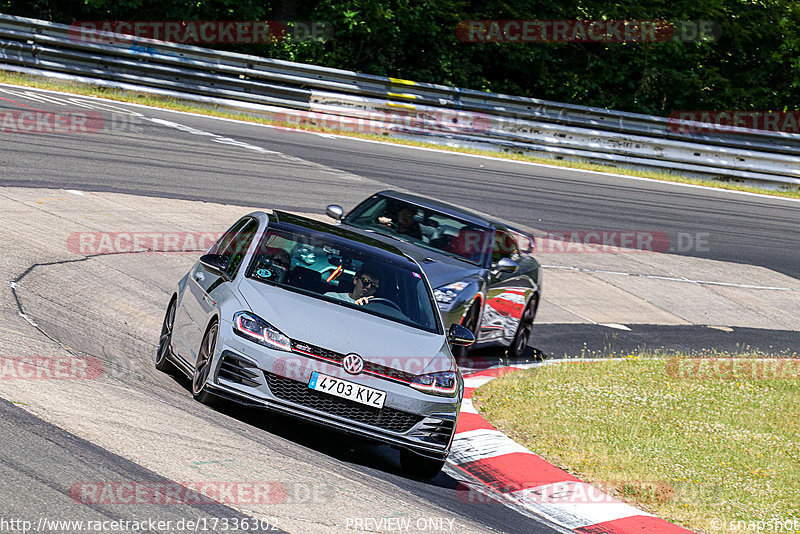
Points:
[353,363]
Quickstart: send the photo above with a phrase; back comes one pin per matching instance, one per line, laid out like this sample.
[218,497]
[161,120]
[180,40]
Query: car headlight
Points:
[444,383]
[447,295]
[256,329]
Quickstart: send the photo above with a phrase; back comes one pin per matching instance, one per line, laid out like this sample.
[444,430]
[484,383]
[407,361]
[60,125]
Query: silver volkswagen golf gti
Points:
[324,324]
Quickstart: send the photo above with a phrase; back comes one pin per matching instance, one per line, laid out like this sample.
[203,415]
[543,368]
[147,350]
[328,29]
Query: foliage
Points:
[754,64]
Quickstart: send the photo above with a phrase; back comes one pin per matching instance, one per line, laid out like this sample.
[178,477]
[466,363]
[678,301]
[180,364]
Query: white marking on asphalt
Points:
[668,278]
[616,325]
[467,406]
[723,328]
[477,381]
[481,444]
[572,312]
[261,150]
[30,321]
[75,192]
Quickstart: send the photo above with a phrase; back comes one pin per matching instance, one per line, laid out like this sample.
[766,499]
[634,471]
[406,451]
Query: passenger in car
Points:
[365,283]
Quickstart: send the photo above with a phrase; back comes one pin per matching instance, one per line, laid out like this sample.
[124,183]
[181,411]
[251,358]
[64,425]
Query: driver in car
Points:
[402,222]
[365,283]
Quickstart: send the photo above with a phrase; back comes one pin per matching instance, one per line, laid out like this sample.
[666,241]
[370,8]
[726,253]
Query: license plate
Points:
[347,390]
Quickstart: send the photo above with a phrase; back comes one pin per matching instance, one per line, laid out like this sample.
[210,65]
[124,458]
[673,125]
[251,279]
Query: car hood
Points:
[342,329]
[441,269]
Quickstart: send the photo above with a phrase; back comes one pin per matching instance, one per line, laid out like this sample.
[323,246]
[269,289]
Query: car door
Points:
[205,288]
[506,293]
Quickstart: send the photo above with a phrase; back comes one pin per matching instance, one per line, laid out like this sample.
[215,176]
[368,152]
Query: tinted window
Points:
[235,242]
[424,227]
[334,269]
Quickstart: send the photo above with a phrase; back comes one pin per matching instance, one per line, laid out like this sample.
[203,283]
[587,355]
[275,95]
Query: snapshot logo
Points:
[50,368]
[94,243]
[586,31]
[199,32]
[733,369]
[208,492]
[734,122]
[381,123]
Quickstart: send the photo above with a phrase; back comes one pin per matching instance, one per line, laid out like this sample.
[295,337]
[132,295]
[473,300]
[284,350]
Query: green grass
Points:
[188,106]
[701,442]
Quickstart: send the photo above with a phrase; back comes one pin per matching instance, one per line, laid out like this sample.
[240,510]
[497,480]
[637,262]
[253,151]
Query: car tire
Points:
[469,322]
[520,342]
[164,350]
[202,367]
[417,466]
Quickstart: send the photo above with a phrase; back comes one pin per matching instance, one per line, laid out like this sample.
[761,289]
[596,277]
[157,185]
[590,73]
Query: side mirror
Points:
[460,335]
[216,263]
[506,265]
[334,211]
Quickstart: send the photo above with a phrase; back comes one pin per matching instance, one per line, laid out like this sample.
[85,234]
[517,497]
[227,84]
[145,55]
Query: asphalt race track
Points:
[145,426]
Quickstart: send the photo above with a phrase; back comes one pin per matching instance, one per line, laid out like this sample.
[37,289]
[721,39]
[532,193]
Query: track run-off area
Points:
[82,209]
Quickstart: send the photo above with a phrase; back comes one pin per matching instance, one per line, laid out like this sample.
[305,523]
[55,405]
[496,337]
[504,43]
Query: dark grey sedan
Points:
[484,275]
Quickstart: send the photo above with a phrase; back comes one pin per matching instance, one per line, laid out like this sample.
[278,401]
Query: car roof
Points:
[284,219]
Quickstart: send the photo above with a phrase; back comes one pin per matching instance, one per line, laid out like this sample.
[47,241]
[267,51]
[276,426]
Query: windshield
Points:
[344,272]
[425,227]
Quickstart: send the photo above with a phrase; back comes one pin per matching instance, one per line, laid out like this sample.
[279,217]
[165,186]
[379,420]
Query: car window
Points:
[224,241]
[237,248]
[327,267]
[424,227]
[235,242]
[505,245]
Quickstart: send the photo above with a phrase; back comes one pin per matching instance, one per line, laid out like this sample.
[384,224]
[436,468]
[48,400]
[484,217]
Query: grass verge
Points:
[189,107]
[710,443]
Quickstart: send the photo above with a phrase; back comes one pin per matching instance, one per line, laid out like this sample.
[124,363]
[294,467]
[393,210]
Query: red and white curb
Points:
[528,480]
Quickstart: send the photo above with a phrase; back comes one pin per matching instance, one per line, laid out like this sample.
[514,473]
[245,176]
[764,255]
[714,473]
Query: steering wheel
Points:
[388,302]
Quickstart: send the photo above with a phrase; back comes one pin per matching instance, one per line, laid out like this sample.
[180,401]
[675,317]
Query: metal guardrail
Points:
[402,108]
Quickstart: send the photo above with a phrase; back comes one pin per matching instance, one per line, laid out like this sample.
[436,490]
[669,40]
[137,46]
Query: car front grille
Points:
[299,393]
[383,371]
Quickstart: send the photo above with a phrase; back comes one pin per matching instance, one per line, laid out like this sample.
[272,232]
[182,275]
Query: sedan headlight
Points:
[447,295]
[257,329]
[444,383]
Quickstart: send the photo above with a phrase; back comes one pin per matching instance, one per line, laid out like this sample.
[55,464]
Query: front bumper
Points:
[249,373]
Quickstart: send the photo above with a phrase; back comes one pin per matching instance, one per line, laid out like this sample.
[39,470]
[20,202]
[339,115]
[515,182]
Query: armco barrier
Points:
[508,123]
